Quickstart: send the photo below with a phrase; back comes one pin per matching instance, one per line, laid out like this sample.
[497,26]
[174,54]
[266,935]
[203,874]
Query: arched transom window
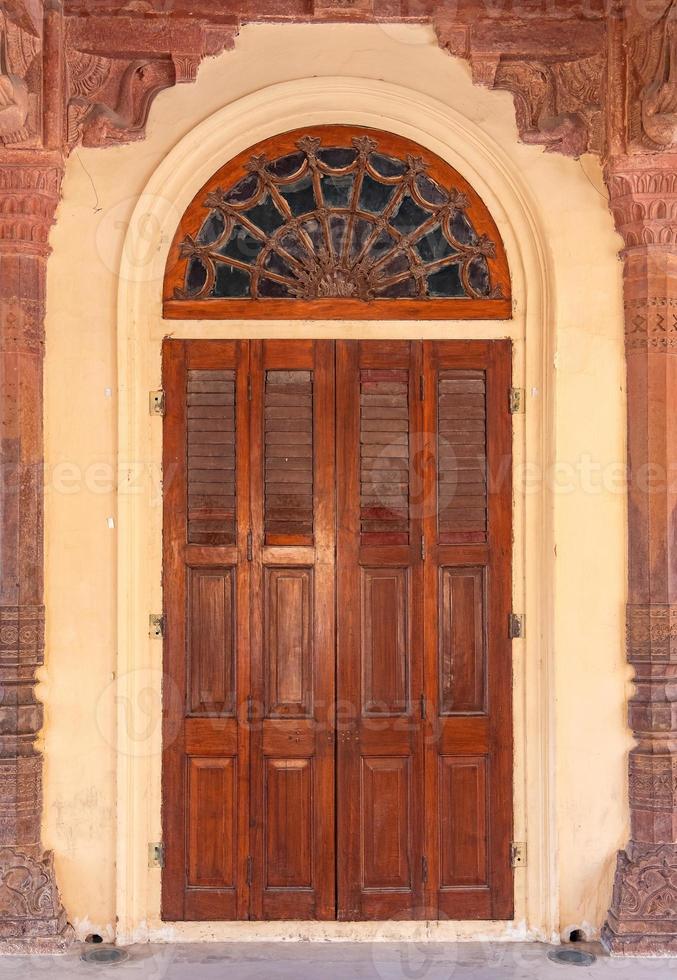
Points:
[337,222]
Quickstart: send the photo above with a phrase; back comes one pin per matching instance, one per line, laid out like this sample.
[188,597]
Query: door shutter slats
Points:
[288,411]
[384,456]
[210,423]
[462,456]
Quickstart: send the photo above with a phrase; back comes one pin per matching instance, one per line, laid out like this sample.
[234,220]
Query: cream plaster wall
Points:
[102,730]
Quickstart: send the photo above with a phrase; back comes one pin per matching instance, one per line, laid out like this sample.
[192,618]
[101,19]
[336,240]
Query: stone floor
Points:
[336,961]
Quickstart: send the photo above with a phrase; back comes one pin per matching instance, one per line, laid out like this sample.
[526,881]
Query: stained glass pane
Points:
[342,221]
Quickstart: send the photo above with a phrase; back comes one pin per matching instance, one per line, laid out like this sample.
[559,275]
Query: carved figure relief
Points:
[653,115]
[19,65]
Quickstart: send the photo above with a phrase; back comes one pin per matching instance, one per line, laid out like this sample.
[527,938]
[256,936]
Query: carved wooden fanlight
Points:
[337,222]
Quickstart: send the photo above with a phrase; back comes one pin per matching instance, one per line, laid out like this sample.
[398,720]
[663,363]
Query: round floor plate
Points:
[105,955]
[571,957]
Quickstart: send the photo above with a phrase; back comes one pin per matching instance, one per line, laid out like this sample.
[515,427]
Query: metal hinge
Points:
[250,546]
[156,402]
[156,626]
[516,401]
[517,626]
[156,855]
[424,870]
[250,709]
[423,548]
[518,854]
[250,870]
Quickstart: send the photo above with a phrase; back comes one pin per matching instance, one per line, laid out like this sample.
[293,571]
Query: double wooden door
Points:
[337,581]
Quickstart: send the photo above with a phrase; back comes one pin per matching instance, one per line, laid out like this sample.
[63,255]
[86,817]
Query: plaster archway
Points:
[463,144]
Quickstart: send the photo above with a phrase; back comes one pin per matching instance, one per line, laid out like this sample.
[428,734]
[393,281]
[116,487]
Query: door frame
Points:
[139,504]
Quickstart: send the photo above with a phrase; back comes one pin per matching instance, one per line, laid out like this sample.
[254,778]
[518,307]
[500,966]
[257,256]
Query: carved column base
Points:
[32,919]
[642,920]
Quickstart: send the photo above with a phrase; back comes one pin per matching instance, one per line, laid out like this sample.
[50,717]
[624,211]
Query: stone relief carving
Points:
[30,907]
[557,106]
[111,99]
[20,78]
[653,70]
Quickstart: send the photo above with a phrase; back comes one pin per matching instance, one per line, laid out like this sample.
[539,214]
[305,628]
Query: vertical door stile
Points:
[174,817]
[348,600]
[499,452]
[256,694]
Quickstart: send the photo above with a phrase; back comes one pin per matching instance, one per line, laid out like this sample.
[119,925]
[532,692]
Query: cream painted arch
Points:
[183,171]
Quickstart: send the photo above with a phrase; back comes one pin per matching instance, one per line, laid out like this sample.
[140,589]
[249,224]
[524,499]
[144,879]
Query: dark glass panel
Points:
[462,230]
[408,216]
[315,233]
[337,226]
[446,282]
[230,283]
[266,216]
[374,196]
[299,195]
[212,229]
[196,276]
[277,263]
[337,157]
[393,267]
[362,231]
[286,166]
[292,243]
[272,289]
[243,190]
[430,191]
[387,166]
[396,290]
[433,246]
[478,275]
[337,191]
[383,243]
[241,245]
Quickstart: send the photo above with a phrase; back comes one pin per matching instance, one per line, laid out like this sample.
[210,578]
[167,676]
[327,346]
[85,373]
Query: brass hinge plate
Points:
[518,854]
[517,626]
[250,870]
[156,626]
[516,401]
[156,402]
[156,855]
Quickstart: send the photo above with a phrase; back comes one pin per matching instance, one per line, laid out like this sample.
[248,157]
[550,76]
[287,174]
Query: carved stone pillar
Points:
[31,916]
[643,913]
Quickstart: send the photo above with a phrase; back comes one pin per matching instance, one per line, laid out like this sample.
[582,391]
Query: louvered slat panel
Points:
[289,456]
[384,456]
[210,419]
[462,456]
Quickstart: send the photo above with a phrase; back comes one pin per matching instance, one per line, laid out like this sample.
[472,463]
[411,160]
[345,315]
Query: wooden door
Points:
[337,581]
[467,588]
[206,586]
[292,630]
[380,606]
[424,752]
[248,575]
